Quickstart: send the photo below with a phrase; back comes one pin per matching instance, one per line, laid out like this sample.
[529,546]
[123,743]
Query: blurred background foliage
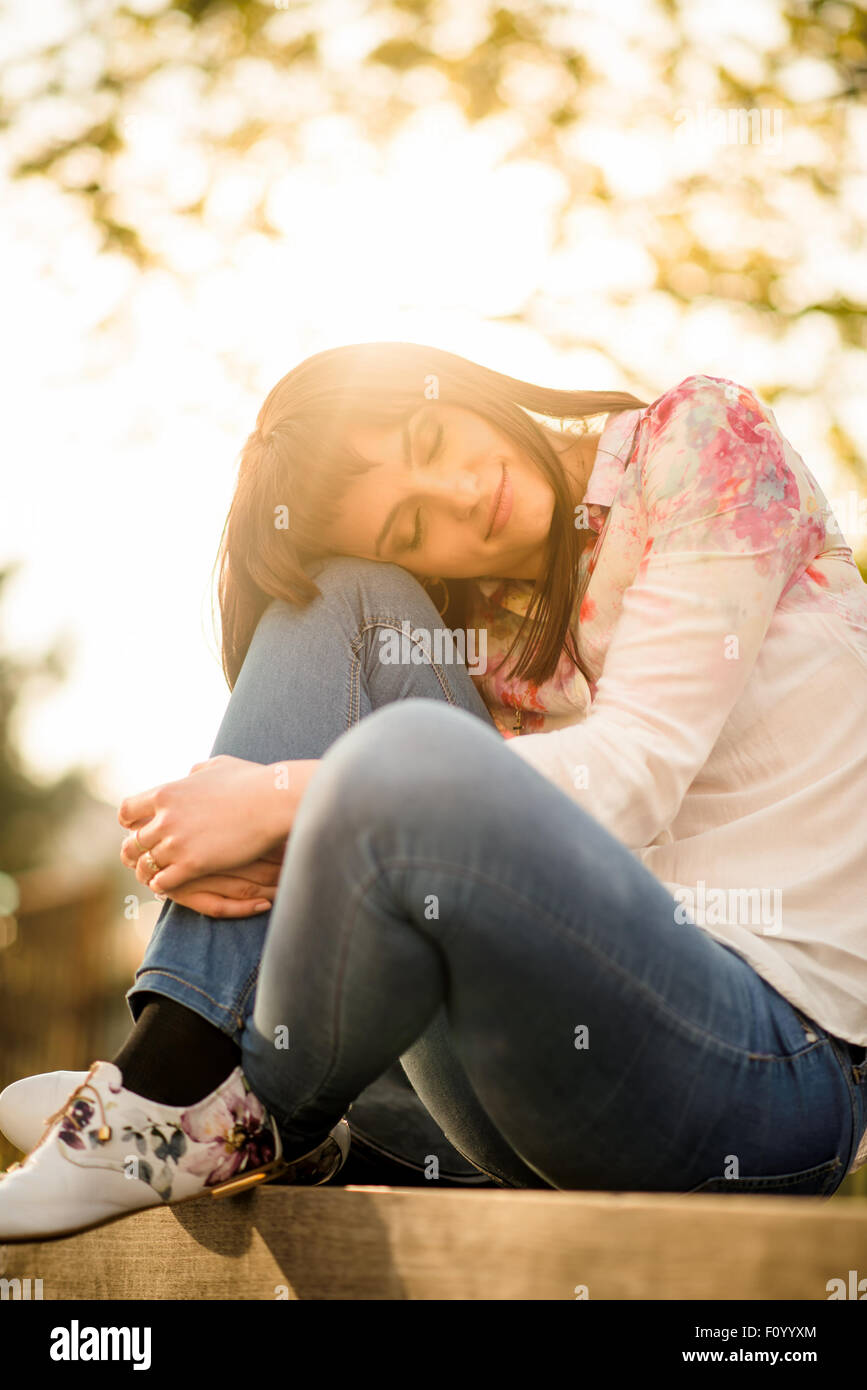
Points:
[589,91]
[241,83]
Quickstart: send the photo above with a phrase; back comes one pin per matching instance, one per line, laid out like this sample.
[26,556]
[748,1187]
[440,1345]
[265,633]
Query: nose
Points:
[459,489]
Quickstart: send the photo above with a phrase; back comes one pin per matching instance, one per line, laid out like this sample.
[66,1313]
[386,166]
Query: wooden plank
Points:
[407,1243]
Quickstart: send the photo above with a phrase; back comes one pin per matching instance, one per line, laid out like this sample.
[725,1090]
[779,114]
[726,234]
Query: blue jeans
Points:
[443,904]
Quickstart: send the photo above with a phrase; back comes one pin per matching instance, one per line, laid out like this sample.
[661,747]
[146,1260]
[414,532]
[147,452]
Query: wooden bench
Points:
[408,1243]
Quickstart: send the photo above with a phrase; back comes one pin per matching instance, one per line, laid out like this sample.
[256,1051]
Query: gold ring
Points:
[156,868]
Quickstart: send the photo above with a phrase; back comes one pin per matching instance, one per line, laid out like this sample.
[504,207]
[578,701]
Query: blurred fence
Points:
[63,974]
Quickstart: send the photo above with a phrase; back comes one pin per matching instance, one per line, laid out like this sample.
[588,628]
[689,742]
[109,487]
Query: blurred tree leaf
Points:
[275,67]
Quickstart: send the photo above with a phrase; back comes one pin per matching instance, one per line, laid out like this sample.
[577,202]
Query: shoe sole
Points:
[230,1188]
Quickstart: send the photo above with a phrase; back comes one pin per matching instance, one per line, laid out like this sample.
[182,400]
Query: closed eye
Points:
[415,543]
[435,451]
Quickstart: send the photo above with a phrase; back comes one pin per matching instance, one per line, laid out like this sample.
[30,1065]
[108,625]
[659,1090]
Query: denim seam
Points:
[354,692]
[848,1071]
[235,1011]
[245,993]
[662,1004]
[829,1170]
[394,623]
[157,970]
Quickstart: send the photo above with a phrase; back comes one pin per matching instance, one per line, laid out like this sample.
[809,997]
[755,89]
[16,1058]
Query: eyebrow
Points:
[389,520]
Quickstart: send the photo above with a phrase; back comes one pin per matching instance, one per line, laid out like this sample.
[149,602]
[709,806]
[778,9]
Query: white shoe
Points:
[109,1153]
[26,1105]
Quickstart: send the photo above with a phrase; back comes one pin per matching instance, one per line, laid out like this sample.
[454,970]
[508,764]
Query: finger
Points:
[148,866]
[215,905]
[260,871]
[133,846]
[231,886]
[174,876]
[135,810]
[199,767]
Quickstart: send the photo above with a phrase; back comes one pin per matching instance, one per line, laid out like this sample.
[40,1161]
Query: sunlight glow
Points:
[129,395]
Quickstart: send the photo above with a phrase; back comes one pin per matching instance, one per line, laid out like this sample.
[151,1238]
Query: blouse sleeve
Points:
[728,530]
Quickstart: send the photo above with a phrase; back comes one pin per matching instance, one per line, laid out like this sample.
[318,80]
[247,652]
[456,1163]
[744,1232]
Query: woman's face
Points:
[449,496]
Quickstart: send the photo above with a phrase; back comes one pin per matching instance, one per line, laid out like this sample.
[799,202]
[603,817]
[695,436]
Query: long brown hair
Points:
[296,463]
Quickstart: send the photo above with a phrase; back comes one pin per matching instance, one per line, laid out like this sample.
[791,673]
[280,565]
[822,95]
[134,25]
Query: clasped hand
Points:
[214,841]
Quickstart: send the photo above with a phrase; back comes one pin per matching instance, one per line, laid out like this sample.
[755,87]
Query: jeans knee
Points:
[374,582]
[411,754]
[407,737]
[350,591]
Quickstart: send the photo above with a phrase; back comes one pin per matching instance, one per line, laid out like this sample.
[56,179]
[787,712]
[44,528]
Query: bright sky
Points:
[126,398]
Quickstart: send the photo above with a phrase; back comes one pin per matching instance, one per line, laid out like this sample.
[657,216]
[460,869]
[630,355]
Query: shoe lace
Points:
[104,1132]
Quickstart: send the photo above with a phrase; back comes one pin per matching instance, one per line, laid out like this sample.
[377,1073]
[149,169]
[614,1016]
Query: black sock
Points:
[175,1056]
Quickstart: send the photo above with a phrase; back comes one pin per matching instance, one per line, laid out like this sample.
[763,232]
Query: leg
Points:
[430,869]
[310,675]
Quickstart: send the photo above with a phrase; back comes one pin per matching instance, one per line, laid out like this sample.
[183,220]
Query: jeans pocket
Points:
[820,1181]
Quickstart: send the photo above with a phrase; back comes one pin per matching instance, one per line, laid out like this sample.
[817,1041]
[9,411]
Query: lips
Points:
[501,506]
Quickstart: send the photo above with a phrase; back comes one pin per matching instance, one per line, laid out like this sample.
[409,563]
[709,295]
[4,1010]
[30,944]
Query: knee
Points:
[371,582]
[415,753]
[350,591]
[406,738]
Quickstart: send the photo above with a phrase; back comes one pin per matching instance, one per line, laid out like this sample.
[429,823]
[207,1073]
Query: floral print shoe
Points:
[109,1152]
[26,1104]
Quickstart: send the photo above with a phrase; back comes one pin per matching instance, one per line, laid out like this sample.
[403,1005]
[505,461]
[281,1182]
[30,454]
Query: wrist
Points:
[286,783]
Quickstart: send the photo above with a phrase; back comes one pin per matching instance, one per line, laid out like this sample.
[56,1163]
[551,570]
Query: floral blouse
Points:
[722,733]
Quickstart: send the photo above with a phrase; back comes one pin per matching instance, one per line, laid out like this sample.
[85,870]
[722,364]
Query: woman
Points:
[600,889]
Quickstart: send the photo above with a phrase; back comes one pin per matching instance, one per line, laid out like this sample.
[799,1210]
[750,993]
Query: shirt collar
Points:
[612,451]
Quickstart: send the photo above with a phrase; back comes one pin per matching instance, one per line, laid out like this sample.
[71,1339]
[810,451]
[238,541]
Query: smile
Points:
[501,506]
